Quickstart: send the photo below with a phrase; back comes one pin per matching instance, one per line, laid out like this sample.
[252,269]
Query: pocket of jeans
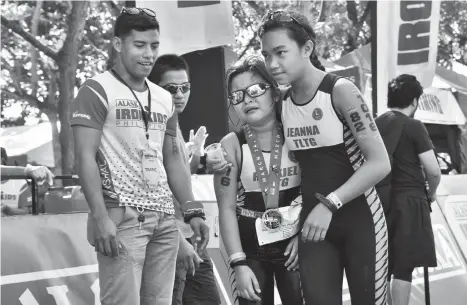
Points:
[119,214]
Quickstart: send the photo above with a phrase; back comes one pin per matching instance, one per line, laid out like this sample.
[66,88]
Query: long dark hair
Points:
[298,28]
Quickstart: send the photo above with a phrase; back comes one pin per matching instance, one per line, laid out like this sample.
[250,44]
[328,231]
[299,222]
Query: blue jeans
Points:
[144,272]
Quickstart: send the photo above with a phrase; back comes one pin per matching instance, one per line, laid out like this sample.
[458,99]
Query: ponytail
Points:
[315,62]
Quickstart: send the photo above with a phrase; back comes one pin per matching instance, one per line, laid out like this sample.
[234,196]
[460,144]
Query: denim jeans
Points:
[144,272]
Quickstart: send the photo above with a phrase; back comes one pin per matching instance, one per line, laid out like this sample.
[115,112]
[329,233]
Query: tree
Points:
[45,83]
[452,37]
[341,26]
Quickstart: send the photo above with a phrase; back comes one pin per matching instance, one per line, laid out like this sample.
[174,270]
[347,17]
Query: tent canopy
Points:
[35,141]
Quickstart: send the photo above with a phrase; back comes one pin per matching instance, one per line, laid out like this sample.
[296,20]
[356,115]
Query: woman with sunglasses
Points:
[332,133]
[243,203]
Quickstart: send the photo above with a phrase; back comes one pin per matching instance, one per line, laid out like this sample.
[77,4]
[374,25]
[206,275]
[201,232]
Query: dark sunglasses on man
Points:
[254,90]
[172,88]
[138,11]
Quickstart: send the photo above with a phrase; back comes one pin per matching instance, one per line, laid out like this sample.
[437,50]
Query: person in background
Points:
[171,72]
[410,188]
[40,174]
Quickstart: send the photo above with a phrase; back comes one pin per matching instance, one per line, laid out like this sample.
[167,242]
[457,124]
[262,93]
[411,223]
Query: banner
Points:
[438,106]
[47,260]
[407,42]
[352,73]
[187,26]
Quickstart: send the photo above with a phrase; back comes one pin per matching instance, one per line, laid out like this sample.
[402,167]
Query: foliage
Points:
[35,72]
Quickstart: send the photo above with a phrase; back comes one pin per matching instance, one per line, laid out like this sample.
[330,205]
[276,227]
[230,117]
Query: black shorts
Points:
[200,289]
[411,240]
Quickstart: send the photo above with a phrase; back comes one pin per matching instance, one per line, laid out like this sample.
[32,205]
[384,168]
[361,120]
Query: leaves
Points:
[52,29]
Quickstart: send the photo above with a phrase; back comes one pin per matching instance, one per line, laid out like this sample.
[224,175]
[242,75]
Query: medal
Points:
[272,219]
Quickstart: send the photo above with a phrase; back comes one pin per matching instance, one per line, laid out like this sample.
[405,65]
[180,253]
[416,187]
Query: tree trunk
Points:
[53,119]
[67,65]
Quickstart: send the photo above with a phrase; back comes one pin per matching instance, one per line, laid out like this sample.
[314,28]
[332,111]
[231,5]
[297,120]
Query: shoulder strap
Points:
[240,133]
[328,82]
[241,140]
[391,145]
[278,106]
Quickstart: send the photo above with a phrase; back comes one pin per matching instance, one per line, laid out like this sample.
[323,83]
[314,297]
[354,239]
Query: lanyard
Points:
[269,181]
[143,113]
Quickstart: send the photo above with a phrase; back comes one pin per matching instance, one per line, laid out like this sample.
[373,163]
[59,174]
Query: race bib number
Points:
[152,168]
[279,224]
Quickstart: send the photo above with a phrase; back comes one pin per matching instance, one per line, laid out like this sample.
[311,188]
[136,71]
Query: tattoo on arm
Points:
[225,181]
[174,145]
[356,118]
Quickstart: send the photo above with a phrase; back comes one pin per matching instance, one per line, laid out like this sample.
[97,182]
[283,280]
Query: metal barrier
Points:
[34,187]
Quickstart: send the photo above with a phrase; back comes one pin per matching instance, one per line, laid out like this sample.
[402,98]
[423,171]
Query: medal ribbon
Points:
[269,181]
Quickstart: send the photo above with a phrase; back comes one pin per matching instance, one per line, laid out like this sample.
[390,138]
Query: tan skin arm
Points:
[350,105]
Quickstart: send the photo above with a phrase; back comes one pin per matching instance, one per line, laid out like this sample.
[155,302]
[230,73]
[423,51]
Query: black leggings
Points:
[357,242]
[288,283]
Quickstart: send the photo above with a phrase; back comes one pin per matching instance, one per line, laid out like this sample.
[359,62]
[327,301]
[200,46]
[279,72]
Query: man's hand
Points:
[316,224]
[188,257]
[40,173]
[201,237]
[105,236]
[196,142]
[292,252]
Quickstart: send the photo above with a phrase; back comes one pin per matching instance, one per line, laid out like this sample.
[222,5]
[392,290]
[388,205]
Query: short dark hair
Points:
[254,64]
[125,23]
[402,90]
[165,63]
[299,30]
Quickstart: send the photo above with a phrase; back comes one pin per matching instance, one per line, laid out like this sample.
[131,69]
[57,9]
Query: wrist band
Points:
[192,213]
[335,200]
[242,262]
[326,202]
[193,209]
[236,256]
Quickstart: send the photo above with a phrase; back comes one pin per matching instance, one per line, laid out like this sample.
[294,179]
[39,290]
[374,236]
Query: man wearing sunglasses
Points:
[129,162]
[171,73]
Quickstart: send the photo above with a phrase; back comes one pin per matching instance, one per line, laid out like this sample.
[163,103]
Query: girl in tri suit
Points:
[329,128]
[253,93]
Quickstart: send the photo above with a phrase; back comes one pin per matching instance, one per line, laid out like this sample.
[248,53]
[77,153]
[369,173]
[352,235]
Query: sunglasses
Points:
[138,11]
[172,88]
[255,90]
[278,16]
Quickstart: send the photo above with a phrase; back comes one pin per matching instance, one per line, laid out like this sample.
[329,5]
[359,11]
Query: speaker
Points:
[208,105]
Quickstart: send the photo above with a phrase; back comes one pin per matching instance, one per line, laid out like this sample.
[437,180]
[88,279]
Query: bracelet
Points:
[192,213]
[193,209]
[242,262]
[330,205]
[236,256]
[335,200]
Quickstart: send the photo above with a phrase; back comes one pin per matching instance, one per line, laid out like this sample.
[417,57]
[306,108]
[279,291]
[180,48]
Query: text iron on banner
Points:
[407,42]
